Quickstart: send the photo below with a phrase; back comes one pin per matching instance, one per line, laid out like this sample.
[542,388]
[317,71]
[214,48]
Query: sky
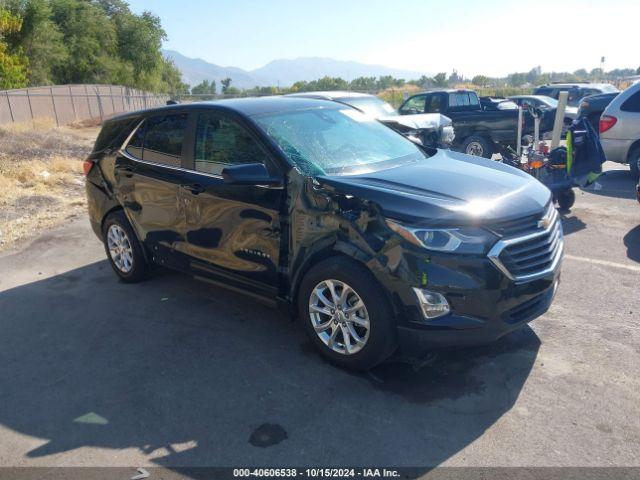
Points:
[490,37]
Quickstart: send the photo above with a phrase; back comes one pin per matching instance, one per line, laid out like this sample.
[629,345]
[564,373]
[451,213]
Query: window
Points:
[463,100]
[414,105]
[221,142]
[434,104]
[163,139]
[134,147]
[632,104]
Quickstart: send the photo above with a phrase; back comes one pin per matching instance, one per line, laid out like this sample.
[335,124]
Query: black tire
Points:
[382,337]
[478,144]
[138,269]
[634,163]
[566,199]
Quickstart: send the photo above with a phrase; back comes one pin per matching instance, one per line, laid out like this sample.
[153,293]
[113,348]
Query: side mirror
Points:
[249,174]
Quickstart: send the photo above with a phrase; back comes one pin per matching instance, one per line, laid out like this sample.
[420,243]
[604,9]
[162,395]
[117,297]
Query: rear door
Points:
[149,175]
[232,231]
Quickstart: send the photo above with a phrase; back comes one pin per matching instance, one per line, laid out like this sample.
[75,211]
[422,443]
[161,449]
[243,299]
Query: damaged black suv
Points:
[372,241]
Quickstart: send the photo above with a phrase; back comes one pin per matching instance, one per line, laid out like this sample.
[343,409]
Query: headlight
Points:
[459,240]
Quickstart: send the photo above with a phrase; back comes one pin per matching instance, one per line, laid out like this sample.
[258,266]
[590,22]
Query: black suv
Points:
[372,241]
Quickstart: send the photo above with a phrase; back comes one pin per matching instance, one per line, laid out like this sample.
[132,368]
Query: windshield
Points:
[337,141]
[371,106]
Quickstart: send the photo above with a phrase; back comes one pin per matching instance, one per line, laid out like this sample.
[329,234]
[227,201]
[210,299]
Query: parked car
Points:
[591,107]
[432,129]
[369,239]
[577,91]
[478,132]
[548,107]
[620,129]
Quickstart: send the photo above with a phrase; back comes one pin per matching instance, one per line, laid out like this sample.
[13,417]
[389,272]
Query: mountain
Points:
[288,72]
[281,72]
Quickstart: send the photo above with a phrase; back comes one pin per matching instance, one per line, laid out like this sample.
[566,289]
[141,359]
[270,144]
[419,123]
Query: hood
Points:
[448,188]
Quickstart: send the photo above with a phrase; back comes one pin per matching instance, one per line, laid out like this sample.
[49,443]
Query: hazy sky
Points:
[492,37]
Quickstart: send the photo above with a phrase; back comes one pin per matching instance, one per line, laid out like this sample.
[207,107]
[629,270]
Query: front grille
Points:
[522,225]
[533,255]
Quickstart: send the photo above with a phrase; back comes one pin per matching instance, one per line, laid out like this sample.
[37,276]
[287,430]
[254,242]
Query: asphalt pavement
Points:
[174,372]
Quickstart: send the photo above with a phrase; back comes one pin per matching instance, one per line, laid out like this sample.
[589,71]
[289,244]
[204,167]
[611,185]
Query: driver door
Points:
[232,231]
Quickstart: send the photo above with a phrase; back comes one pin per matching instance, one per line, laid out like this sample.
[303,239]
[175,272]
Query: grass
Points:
[41,181]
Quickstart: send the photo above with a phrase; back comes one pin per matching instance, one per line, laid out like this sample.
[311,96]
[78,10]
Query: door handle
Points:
[194,188]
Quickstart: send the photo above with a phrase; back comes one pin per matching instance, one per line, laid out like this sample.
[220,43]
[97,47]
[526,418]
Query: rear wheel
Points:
[123,249]
[346,314]
[478,146]
[634,163]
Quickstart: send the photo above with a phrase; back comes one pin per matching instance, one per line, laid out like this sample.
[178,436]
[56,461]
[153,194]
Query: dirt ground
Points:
[40,178]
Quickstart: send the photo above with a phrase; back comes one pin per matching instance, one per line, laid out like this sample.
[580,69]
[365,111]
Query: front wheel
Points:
[346,314]
[566,199]
[478,146]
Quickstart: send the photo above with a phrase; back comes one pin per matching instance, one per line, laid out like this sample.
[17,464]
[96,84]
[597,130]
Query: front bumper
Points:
[484,303]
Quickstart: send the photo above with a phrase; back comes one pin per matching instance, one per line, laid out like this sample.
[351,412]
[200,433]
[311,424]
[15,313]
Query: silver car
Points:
[620,129]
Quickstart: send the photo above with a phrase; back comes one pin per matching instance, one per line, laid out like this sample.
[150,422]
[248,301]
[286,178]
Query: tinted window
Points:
[163,139]
[435,104]
[463,100]
[220,142]
[632,104]
[114,133]
[134,147]
[414,105]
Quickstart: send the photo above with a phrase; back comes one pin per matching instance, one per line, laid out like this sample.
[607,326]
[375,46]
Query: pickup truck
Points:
[477,131]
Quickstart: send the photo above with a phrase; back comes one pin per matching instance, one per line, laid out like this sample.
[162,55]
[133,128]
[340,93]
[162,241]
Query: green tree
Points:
[205,88]
[13,66]
[480,80]
[226,84]
[440,80]
[365,84]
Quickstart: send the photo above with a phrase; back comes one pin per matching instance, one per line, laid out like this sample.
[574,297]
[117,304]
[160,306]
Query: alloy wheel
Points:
[339,317]
[120,248]
[474,148]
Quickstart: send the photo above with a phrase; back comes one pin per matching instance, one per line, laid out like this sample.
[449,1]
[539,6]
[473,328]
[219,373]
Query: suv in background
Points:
[620,129]
[577,91]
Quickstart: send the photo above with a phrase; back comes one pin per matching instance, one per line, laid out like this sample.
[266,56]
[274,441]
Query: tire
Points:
[123,248]
[566,199]
[377,342]
[634,163]
[477,145]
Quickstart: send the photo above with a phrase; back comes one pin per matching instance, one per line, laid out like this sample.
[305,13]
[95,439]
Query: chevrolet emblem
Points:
[544,223]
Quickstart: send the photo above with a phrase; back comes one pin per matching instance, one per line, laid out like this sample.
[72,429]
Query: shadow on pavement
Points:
[193,375]
[615,183]
[632,242]
[571,223]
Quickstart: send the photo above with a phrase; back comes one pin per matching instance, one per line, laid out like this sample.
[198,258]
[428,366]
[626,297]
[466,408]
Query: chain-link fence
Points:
[65,104]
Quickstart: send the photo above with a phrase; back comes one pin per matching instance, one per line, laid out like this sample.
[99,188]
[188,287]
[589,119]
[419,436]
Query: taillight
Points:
[87,165]
[606,122]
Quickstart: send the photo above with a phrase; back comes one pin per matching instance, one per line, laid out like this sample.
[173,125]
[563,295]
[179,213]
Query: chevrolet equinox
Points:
[371,241]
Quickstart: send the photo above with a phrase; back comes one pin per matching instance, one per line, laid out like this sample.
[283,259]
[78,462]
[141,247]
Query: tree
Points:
[365,84]
[440,80]
[480,80]
[205,88]
[39,38]
[13,66]
[226,84]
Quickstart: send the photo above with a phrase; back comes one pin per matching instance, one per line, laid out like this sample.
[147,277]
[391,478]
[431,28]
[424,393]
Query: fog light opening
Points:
[433,304]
